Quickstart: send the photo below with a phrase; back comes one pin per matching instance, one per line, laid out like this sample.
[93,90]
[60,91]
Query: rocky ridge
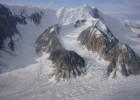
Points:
[121,57]
[67,63]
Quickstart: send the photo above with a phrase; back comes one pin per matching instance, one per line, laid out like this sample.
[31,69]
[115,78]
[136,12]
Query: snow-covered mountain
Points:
[42,35]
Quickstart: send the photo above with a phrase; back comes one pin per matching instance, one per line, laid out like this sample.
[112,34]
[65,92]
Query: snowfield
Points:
[25,76]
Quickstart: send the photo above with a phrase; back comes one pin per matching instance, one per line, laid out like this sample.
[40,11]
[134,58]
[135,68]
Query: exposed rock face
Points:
[7,25]
[48,41]
[121,57]
[95,13]
[21,19]
[78,22]
[36,17]
[8,22]
[66,63]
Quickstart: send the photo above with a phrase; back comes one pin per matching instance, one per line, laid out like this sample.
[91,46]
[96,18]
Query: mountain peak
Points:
[86,12]
[93,11]
[86,6]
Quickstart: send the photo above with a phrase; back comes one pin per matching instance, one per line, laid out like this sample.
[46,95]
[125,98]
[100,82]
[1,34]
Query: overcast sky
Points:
[118,8]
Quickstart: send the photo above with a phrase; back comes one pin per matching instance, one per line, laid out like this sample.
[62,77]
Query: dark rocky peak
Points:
[130,53]
[79,22]
[95,13]
[7,25]
[21,19]
[66,63]
[96,40]
[24,14]
[53,29]
[128,61]
[5,11]
[36,17]
[48,40]
[103,29]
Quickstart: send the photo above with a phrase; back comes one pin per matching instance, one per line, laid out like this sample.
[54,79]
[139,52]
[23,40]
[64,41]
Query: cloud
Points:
[30,3]
[123,12]
[129,2]
[51,5]
[132,2]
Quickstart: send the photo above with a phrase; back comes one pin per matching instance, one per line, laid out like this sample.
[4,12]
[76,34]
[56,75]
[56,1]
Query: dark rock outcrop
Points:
[95,13]
[36,17]
[121,57]
[7,25]
[66,63]
[79,22]
[8,22]
[48,41]
[21,19]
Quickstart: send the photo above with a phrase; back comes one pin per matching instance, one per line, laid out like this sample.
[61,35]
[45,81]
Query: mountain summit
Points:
[73,14]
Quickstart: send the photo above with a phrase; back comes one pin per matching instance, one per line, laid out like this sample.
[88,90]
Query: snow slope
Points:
[26,76]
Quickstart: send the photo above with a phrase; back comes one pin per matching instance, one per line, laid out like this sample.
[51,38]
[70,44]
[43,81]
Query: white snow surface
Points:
[25,76]
[68,15]
[101,27]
